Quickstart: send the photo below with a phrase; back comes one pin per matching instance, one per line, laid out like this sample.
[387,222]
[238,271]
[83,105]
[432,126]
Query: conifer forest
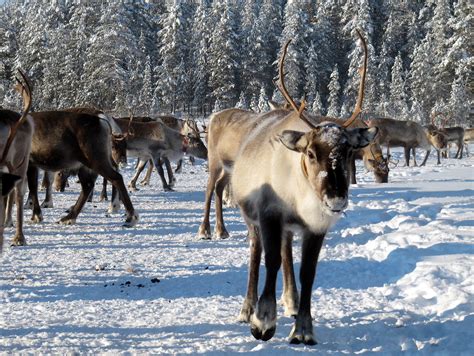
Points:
[193,57]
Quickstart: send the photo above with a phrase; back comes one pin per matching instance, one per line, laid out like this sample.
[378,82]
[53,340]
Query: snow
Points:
[395,274]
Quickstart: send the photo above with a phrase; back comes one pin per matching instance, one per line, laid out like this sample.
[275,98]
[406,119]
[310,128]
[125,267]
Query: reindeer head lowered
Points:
[326,149]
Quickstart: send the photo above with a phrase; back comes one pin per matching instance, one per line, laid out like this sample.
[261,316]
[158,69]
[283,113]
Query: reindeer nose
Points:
[336,204]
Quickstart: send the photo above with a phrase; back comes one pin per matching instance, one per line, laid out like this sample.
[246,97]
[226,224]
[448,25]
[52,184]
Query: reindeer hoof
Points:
[18,241]
[263,335]
[204,233]
[37,218]
[302,336]
[131,221]
[262,329]
[168,189]
[113,209]
[67,221]
[47,204]
[222,235]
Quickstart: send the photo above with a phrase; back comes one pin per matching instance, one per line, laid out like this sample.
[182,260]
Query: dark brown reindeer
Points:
[78,141]
[292,175]
[119,157]
[15,141]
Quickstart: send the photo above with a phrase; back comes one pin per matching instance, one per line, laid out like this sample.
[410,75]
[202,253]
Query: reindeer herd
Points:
[289,172]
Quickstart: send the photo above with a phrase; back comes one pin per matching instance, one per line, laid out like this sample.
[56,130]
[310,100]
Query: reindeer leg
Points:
[303,329]
[263,320]
[112,175]
[103,192]
[255,247]
[192,160]
[353,169]
[407,156]
[115,202]
[47,182]
[161,173]
[289,297]
[133,183]
[32,175]
[204,231]
[171,177]
[426,158]
[414,157]
[146,180]
[20,190]
[87,178]
[179,166]
[220,231]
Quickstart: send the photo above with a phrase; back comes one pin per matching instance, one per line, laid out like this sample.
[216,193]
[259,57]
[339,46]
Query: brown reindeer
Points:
[156,141]
[406,134]
[15,145]
[453,134]
[80,141]
[292,175]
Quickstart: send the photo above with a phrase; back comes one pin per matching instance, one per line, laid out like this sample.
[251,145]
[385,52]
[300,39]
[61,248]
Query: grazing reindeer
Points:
[292,175]
[406,134]
[186,127]
[74,140]
[15,141]
[155,140]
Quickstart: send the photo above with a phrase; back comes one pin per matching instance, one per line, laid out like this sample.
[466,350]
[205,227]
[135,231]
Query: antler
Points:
[434,116]
[360,97]
[286,95]
[25,92]
[445,121]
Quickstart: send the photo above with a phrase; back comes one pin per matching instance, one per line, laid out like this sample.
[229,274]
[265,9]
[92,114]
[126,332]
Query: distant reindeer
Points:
[406,134]
[453,134]
[468,137]
[187,128]
[154,140]
[15,145]
[291,175]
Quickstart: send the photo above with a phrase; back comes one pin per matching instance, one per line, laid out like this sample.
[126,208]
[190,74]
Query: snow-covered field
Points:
[395,274]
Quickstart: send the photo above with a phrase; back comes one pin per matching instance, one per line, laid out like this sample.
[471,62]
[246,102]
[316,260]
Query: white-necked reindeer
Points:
[292,175]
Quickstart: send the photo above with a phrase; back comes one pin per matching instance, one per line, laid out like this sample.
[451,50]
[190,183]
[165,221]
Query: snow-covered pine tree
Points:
[460,100]
[334,92]
[172,40]
[398,103]
[222,55]
[317,106]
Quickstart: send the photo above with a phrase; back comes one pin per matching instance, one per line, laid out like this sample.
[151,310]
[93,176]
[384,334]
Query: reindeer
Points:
[372,155]
[452,134]
[186,127]
[292,175]
[74,140]
[119,157]
[15,141]
[406,134]
[156,141]
[468,137]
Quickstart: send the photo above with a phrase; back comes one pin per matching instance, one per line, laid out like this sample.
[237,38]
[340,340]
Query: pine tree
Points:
[398,107]
[460,100]
[334,91]
[222,56]
[317,106]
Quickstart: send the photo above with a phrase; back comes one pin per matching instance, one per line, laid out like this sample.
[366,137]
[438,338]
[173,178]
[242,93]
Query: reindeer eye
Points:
[311,155]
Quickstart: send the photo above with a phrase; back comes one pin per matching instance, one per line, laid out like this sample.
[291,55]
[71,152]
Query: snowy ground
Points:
[396,274]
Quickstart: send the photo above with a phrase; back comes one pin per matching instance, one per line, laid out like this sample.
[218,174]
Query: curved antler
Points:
[286,95]
[25,92]
[360,97]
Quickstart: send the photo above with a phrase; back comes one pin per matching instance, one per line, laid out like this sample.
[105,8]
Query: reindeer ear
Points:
[294,140]
[7,182]
[359,138]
